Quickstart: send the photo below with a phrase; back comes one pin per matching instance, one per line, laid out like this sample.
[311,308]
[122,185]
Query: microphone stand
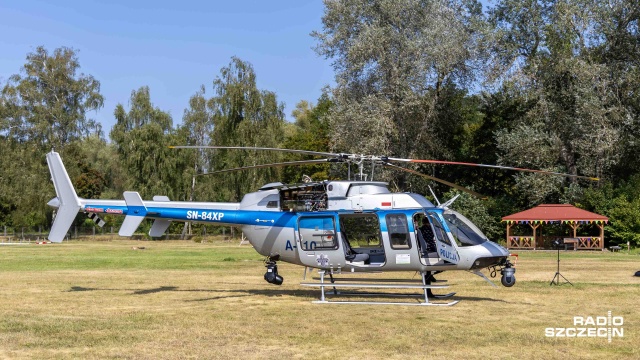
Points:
[557,276]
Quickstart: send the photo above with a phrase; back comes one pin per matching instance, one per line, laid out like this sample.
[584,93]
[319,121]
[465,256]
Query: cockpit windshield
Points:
[463,230]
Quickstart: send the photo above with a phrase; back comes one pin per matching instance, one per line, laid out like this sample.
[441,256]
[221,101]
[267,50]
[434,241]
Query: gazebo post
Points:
[535,239]
[508,233]
[601,226]
[574,226]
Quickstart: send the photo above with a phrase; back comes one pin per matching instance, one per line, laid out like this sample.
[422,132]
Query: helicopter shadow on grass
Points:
[310,294]
[243,292]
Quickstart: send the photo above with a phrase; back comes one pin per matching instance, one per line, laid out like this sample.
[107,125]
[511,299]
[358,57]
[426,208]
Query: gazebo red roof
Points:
[555,212]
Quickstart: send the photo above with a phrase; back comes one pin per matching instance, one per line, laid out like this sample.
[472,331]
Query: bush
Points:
[622,206]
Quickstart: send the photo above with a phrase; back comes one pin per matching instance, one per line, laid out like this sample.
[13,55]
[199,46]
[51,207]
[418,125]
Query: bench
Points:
[615,248]
[571,241]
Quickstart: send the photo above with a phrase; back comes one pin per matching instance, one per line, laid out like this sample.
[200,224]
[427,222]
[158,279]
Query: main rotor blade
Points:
[455,186]
[306,152]
[443,162]
[288,163]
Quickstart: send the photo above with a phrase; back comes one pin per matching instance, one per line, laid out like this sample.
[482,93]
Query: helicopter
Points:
[335,226]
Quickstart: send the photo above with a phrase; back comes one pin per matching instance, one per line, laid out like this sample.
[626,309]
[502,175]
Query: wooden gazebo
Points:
[558,214]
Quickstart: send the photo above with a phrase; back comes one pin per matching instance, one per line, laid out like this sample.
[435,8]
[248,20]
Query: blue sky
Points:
[172,46]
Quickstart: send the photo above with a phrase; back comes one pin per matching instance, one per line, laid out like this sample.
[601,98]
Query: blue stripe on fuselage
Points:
[241,217]
[233,217]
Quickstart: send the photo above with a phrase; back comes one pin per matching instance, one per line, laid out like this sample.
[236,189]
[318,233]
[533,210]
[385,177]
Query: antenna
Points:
[434,195]
[449,202]
[373,166]
[361,176]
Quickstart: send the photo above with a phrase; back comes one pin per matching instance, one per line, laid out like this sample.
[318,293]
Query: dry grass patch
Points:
[187,300]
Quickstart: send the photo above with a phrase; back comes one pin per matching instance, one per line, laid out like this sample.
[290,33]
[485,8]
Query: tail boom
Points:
[68,204]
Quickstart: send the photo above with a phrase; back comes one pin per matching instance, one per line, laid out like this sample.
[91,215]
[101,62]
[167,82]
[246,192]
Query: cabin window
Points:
[398,231]
[272,204]
[361,230]
[317,233]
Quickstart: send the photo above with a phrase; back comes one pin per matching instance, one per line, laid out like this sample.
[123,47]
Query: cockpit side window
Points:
[463,230]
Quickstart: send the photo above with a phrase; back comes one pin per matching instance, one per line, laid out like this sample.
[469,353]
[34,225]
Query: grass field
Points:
[181,300]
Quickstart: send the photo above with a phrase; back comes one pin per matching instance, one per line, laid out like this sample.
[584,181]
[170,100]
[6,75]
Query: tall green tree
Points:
[310,131]
[243,115]
[574,124]
[197,126]
[48,102]
[44,107]
[617,46]
[142,137]
[394,61]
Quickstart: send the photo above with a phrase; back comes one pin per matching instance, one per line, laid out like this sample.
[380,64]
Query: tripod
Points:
[557,276]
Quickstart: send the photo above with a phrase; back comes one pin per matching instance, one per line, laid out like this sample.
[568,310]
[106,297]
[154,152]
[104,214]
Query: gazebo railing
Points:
[521,242]
[589,242]
[583,242]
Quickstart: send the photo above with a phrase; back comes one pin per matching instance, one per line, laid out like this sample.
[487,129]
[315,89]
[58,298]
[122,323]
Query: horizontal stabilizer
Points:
[159,227]
[160,198]
[136,212]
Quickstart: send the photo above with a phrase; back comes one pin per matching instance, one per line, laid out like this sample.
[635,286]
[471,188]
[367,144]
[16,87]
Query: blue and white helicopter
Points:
[333,226]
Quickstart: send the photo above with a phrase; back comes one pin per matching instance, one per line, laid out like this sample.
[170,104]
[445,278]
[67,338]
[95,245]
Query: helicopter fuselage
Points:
[333,225]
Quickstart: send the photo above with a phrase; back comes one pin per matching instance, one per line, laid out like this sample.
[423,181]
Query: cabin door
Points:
[318,243]
[446,250]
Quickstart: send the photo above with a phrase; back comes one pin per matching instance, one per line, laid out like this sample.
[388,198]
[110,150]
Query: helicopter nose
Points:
[496,249]
[54,203]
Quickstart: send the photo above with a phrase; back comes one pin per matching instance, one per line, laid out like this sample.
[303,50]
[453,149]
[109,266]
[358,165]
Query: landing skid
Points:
[444,296]
[386,303]
[426,288]
[383,294]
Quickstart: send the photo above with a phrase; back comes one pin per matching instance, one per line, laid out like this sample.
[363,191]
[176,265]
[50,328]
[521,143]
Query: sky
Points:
[173,47]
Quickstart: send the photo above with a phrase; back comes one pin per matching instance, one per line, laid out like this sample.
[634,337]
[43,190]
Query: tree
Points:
[621,205]
[393,62]
[310,132]
[243,115]
[479,212]
[48,103]
[141,137]
[575,119]
[44,107]
[197,122]
[616,28]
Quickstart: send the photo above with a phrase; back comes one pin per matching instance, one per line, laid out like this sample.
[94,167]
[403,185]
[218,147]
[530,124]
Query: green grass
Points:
[178,299]
[122,255]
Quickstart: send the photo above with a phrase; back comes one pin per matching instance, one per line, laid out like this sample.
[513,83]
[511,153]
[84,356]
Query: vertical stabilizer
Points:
[69,203]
